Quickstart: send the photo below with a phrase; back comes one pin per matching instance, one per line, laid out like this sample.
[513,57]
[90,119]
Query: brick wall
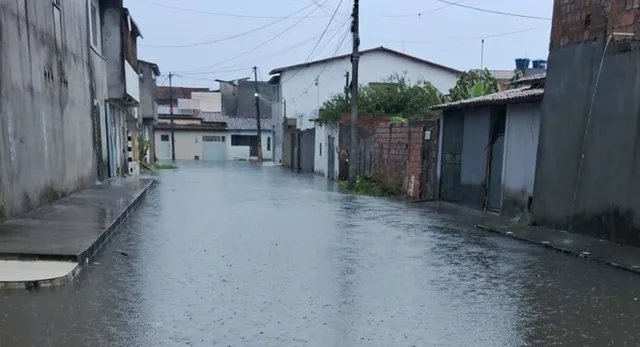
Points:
[577,21]
[399,163]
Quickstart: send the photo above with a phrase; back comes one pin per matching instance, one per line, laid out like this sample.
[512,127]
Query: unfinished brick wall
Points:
[577,21]
[400,153]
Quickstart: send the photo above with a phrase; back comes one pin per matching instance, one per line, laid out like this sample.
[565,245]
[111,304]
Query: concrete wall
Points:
[246,99]
[148,108]
[321,140]
[304,97]
[521,146]
[607,203]
[242,152]
[475,147]
[46,148]
[208,101]
[112,50]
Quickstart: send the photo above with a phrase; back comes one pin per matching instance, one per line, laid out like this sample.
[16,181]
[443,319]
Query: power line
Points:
[475,38]
[494,12]
[216,71]
[323,47]
[237,35]
[220,14]
[419,14]
[260,45]
[325,30]
[323,68]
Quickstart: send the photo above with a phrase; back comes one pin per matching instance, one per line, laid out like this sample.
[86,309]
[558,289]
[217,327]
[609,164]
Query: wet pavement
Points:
[240,255]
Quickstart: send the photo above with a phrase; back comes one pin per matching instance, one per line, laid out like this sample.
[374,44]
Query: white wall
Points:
[321,161]
[242,152]
[188,143]
[304,97]
[522,129]
[209,101]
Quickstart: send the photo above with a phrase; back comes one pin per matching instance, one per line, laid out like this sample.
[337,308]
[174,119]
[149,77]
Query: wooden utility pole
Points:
[173,137]
[258,127]
[355,57]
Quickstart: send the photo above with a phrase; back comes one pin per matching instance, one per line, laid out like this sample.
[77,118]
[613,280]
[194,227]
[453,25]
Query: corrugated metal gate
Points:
[453,132]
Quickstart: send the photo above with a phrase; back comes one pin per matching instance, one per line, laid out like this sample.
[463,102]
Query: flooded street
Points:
[240,255]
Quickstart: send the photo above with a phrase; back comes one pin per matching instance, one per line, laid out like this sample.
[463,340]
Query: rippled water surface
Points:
[240,255]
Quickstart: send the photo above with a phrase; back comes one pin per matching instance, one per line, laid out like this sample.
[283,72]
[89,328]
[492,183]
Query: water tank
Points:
[539,64]
[522,64]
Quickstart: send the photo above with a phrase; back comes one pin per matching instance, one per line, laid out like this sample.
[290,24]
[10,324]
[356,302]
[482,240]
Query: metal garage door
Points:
[213,148]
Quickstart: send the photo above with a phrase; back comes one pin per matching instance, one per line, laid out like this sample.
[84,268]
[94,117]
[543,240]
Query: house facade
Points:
[148,109]
[587,165]
[488,149]
[303,88]
[57,135]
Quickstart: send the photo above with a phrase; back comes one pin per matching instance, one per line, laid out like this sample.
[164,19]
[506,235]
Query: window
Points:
[242,140]
[268,143]
[587,21]
[212,138]
[320,149]
[164,137]
[94,27]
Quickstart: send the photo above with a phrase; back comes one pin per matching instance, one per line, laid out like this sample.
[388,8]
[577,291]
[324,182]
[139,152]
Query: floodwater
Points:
[236,254]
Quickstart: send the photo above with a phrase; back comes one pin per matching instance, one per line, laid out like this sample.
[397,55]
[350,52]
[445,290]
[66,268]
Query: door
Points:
[494,200]
[452,134]
[331,156]
[111,144]
[164,150]
[294,150]
[97,141]
[253,146]
[213,148]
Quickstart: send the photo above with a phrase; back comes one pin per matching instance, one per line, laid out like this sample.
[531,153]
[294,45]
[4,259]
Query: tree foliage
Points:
[394,96]
[472,84]
[398,97]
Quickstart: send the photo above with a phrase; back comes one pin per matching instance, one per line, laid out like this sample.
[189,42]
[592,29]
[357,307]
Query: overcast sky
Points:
[203,40]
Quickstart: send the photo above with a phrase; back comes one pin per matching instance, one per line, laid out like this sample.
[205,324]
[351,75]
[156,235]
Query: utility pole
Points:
[173,137]
[346,89]
[482,55]
[258,128]
[355,57]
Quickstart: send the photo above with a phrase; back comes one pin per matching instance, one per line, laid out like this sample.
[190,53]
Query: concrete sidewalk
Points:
[70,230]
[623,257]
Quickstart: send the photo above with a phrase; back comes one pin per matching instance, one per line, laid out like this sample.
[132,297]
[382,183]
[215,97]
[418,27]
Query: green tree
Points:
[472,84]
[396,96]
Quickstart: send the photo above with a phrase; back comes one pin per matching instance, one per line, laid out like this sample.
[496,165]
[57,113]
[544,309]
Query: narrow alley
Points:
[234,254]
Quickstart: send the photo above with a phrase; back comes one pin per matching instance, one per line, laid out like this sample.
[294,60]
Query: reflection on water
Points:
[241,255]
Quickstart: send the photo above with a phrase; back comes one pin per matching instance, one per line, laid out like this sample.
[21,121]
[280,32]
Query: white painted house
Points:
[304,87]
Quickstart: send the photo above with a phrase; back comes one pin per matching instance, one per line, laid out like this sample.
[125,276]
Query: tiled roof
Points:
[237,123]
[376,49]
[162,92]
[205,126]
[509,96]
[533,79]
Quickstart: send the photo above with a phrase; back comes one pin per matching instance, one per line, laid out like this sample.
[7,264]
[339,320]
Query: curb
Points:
[83,258]
[549,245]
[34,285]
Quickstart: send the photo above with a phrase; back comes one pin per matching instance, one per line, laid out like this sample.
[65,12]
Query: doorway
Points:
[496,154]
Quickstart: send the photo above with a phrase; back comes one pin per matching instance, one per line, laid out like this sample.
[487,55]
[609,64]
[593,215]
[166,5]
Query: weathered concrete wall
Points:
[99,69]
[112,48]
[246,99]
[46,148]
[475,147]
[521,146]
[607,203]
[148,108]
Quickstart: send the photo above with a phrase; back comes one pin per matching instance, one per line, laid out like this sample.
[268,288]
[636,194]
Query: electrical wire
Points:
[219,14]
[494,12]
[323,47]
[260,45]
[237,35]
[323,68]
[475,38]
[419,14]
[325,30]
[216,71]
